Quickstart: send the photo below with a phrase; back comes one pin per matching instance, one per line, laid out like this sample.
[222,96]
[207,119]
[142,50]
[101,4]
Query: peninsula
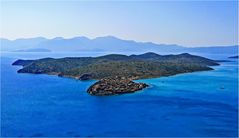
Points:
[234,56]
[116,72]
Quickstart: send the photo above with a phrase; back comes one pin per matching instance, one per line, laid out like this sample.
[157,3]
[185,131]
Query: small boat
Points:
[222,87]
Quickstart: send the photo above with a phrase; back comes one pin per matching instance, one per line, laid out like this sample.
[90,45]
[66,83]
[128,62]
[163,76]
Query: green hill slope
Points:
[147,65]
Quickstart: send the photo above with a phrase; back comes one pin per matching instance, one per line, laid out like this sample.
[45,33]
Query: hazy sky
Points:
[183,23]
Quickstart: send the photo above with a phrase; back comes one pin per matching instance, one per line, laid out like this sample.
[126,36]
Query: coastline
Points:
[116,73]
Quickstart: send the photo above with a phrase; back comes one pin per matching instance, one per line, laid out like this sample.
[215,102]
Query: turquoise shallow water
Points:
[192,104]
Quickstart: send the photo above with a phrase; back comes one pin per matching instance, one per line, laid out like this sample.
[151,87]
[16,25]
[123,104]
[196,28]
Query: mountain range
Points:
[103,44]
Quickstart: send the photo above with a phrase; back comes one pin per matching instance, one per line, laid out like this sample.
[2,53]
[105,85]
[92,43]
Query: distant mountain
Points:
[11,45]
[33,50]
[234,57]
[215,49]
[106,44]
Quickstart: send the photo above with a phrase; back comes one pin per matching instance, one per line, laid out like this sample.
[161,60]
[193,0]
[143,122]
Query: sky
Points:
[187,23]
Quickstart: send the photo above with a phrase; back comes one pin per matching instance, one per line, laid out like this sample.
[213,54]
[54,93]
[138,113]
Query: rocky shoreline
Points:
[115,86]
[115,73]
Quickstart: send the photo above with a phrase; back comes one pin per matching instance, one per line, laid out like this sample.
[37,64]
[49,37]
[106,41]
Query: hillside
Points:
[147,65]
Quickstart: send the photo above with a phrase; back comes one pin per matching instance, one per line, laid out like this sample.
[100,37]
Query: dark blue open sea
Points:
[193,104]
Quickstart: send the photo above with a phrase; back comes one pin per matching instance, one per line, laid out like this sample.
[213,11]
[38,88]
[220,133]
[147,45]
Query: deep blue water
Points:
[193,104]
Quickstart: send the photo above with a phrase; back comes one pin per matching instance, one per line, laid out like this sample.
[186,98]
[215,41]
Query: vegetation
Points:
[147,65]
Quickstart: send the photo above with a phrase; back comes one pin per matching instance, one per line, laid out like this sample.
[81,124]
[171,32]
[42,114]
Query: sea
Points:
[199,104]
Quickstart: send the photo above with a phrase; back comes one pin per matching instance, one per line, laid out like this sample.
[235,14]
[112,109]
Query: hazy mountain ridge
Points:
[20,44]
[104,44]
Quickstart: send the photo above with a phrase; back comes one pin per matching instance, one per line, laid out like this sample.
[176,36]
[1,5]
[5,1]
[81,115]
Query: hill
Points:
[147,65]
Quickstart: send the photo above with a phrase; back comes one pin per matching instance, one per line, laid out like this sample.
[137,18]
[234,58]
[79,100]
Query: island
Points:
[115,72]
[234,57]
[115,85]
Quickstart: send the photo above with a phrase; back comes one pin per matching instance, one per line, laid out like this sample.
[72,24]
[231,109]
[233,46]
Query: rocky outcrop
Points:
[116,85]
[85,77]
[21,62]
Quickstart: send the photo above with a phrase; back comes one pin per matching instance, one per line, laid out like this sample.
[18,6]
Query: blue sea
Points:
[199,104]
